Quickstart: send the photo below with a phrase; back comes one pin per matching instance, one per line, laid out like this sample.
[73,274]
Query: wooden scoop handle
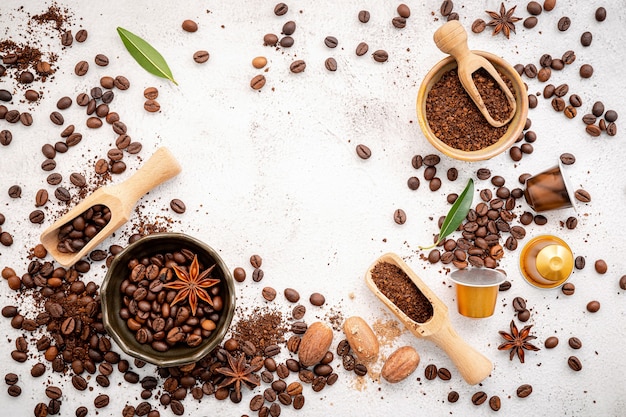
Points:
[451,38]
[159,168]
[473,365]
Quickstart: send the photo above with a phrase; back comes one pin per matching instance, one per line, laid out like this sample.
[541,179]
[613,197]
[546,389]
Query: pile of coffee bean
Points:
[482,231]
[75,234]
[148,307]
[399,22]
[519,305]
[604,124]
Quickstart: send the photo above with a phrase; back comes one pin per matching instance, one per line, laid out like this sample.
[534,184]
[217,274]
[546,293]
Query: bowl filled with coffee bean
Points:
[168,299]
[471,111]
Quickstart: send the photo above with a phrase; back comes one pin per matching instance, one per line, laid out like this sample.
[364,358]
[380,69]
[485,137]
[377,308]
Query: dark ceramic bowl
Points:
[112,299]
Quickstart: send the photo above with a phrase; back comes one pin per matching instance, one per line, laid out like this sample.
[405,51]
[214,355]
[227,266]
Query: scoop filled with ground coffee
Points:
[423,313]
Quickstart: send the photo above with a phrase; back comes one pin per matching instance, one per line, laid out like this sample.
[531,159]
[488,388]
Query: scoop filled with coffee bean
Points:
[75,234]
[451,38]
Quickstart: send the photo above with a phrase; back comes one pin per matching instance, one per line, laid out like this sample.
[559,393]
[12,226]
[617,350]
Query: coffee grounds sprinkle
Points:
[263,328]
[454,118]
[401,291]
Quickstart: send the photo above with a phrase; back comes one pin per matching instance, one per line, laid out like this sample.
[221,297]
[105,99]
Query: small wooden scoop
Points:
[473,366]
[451,38]
[119,198]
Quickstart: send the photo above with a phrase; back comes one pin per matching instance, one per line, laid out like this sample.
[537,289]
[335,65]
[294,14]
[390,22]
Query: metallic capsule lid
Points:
[555,262]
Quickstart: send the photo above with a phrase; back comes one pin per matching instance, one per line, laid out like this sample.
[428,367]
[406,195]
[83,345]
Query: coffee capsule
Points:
[546,261]
[549,190]
[477,291]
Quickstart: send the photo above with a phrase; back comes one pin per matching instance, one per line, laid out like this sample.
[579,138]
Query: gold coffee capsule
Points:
[477,291]
[546,261]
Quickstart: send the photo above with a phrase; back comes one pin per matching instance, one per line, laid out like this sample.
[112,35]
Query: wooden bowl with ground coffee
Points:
[454,125]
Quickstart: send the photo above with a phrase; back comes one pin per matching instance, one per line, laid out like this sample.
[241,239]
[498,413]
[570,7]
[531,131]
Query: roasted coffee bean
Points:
[446,8]
[567,158]
[600,14]
[297,66]
[330,41]
[611,129]
[361,49]
[286,42]
[359,369]
[280,9]
[5,95]
[430,372]
[62,194]
[586,38]
[12,116]
[478,26]
[26,119]
[495,403]
[31,95]
[586,71]
[434,184]
[178,206]
[53,392]
[331,64]
[399,216]
[444,374]
[530,22]
[610,116]
[593,130]
[574,363]
[564,23]
[201,56]
[364,16]
[597,109]
[121,83]
[380,56]
[14,390]
[551,342]
[530,70]
[257,82]
[5,137]
[570,112]
[582,196]
[270,39]
[36,217]
[622,282]
[81,68]
[398,22]
[519,304]
[483,173]
[571,223]
[568,288]
[593,306]
[505,286]
[575,343]
[363,151]
[79,382]
[479,398]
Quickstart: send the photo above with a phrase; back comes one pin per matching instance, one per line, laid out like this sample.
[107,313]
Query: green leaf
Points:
[457,213]
[145,55]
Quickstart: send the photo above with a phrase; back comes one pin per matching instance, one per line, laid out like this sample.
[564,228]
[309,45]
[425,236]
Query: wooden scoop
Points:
[119,198]
[473,366]
[451,38]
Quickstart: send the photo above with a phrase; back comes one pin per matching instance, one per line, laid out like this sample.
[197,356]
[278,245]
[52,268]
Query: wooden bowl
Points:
[515,126]
[111,298]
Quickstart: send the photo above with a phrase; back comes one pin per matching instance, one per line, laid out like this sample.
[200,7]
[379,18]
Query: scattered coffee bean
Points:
[524,390]
[380,56]
[189,26]
[362,49]
[178,206]
[586,38]
[200,57]
[564,23]
[479,398]
[582,195]
[364,16]
[317,299]
[551,342]
[280,9]
[297,66]
[239,274]
[575,343]
[81,35]
[574,363]
[398,22]
[331,64]
[478,26]
[567,158]
[568,288]
[363,151]
[399,216]
[600,14]
[593,306]
[495,403]
[530,22]
[622,282]
[257,82]
[586,71]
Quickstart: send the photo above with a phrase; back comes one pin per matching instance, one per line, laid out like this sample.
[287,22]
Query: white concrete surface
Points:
[275,173]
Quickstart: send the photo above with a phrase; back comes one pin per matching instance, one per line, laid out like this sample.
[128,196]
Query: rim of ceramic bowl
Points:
[116,327]
[515,126]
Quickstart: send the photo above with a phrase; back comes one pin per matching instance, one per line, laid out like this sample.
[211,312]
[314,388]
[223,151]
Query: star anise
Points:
[503,22]
[517,341]
[238,372]
[192,285]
